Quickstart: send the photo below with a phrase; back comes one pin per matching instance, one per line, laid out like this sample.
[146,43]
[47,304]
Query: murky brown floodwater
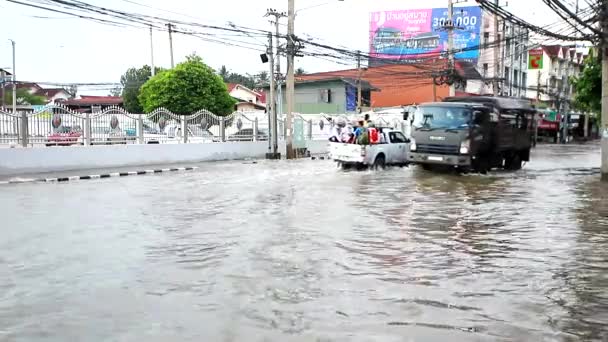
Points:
[280,251]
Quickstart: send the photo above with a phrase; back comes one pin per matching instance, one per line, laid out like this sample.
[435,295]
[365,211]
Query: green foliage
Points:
[249,81]
[588,86]
[24,98]
[300,72]
[131,81]
[187,88]
[116,91]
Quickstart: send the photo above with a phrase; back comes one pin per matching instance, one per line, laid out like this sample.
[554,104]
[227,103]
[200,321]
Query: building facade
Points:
[509,66]
[550,80]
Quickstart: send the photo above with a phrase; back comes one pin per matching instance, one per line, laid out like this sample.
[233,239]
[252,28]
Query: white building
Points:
[512,68]
[550,84]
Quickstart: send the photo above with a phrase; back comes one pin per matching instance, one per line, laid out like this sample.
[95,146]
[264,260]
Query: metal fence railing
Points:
[56,125]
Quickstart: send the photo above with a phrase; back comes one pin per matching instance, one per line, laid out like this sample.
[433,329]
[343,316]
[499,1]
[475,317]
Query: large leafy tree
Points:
[588,86]
[300,71]
[24,98]
[132,81]
[190,86]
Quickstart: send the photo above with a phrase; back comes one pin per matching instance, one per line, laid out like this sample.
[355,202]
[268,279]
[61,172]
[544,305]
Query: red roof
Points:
[262,97]
[50,92]
[231,86]
[28,85]
[552,50]
[88,100]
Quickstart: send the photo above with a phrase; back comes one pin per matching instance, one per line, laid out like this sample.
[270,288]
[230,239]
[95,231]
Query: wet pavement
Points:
[300,251]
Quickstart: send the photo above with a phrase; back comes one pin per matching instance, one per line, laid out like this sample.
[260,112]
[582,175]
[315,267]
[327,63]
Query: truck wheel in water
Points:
[380,162]
[513,162]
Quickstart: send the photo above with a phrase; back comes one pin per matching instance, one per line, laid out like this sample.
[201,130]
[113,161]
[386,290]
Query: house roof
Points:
[551,50]
[27,85]
[5,72]
[88,100]
[49,92]
[233,86]
[365,85]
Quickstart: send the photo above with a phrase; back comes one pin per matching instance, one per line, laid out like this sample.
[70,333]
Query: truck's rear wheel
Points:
[380,162]
[513,162]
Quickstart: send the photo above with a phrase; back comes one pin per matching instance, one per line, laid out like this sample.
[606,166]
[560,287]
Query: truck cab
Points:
[472,133]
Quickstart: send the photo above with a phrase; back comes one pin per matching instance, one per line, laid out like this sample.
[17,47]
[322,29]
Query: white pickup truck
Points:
[393,150]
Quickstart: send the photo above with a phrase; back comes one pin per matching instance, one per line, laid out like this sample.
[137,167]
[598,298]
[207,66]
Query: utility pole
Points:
[14,80]
[272,113]
[451,42]
[495,50]
[170,26]
[279,81]
[604,130]
[152,52]
[290,78]
[359,107]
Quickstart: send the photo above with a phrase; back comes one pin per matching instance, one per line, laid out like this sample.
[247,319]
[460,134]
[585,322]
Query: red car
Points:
[64,136]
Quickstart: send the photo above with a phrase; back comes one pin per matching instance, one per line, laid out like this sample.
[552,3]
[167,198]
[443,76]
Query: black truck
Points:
[473,133]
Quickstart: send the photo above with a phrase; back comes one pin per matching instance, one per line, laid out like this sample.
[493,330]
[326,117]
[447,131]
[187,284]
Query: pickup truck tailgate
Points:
[351,153]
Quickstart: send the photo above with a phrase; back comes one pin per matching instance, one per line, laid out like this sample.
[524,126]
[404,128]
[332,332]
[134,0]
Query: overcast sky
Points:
[59,48]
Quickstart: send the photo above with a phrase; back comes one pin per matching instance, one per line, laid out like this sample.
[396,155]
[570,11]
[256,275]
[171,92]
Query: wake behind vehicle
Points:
[393,150]
[473,133]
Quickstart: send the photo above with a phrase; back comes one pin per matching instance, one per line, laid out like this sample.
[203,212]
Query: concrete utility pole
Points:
[279,81]
[272,113]
[14,79]
[359,102]
[451,42]
[496,54]
[604,130]
[290,79]
[152,52]
[170,26]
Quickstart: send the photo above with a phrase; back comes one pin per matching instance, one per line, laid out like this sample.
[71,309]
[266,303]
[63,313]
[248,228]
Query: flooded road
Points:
[300,251]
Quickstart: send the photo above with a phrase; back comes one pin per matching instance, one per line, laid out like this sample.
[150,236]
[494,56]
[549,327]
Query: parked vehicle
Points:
[64,136]
[393,150]
[109,136]
[246,134]
[195,134]
[473,133]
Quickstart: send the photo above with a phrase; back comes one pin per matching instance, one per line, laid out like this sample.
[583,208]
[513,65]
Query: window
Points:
[507,76]
[486,39]
[397,138]
[524,81]
[485,69]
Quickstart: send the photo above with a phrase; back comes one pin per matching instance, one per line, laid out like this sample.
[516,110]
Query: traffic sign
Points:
[535,59]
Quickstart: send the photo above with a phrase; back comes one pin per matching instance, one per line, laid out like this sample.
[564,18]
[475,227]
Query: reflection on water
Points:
[282,251]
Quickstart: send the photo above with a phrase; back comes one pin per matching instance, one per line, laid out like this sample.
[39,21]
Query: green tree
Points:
[132,81]
[24,98]
[116,91]
[300,72]
[190,86]
[262,78]
[588,86]
[224,73]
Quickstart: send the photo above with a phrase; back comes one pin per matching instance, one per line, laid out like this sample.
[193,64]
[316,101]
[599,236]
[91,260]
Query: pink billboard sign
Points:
[414,33]
[389,29]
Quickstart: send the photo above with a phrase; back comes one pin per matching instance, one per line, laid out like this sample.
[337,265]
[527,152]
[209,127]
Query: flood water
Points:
[300,251]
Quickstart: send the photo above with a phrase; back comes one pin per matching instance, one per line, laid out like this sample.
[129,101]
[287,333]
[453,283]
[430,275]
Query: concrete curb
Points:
[99,176]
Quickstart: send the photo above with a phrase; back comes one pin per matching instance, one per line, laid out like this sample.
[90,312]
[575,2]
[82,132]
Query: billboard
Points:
[418,33]
[535,59]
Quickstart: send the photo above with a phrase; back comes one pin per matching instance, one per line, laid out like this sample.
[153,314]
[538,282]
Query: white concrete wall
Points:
[15,161]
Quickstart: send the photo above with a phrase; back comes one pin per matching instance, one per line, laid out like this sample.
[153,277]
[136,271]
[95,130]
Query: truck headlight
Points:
[413,146]
[465,146]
